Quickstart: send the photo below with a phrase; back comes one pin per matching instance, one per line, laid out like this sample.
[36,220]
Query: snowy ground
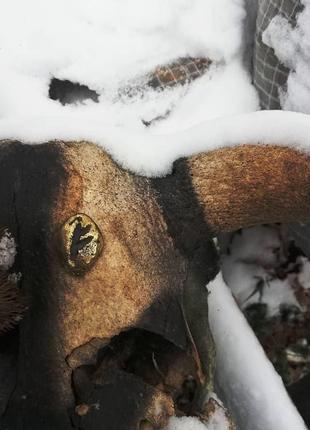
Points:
[110,45]
[250,261]
[106,46]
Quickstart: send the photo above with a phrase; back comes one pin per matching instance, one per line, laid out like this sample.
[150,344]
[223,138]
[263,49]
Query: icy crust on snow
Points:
[249,385]
[292,47]
[153,155]
[108,45]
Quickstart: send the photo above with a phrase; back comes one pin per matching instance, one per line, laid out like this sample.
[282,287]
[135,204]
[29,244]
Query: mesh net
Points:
[268,73]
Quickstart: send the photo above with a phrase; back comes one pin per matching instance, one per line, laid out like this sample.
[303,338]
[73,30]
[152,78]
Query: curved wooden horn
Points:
[251,184]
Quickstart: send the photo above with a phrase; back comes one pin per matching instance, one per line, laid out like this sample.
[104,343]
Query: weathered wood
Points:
[251,184]
[136,281]
[155,254]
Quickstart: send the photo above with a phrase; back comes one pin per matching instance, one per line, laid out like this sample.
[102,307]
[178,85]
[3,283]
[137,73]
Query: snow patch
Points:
[108,45]
[217,422]
[186,423]
[292,47]
[249,385]
[253,255]
[153,155]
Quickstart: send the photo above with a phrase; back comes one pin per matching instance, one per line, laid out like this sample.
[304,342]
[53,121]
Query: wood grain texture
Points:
[156,241]
[251,184]
[136,281]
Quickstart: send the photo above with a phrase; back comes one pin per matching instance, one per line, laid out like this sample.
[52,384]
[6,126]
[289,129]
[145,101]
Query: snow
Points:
[218,418]
[153,155]
[254,253]
[292,47]
[249,385]
[304,275]
[186,423]
[7,250]
[217,422]
[107,45]
[223,93]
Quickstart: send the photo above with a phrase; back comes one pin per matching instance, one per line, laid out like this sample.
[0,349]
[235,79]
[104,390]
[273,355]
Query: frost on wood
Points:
[7,250]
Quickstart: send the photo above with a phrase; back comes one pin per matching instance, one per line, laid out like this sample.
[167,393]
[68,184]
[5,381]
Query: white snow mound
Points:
[108,44]
[153,155]
[248,382]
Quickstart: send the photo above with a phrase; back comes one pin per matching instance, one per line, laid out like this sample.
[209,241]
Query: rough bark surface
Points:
[136,281]
[156,255]
[251,184]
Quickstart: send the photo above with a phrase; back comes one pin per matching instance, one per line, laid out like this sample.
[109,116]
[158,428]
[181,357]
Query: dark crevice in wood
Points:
[186,220]
[138,361]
